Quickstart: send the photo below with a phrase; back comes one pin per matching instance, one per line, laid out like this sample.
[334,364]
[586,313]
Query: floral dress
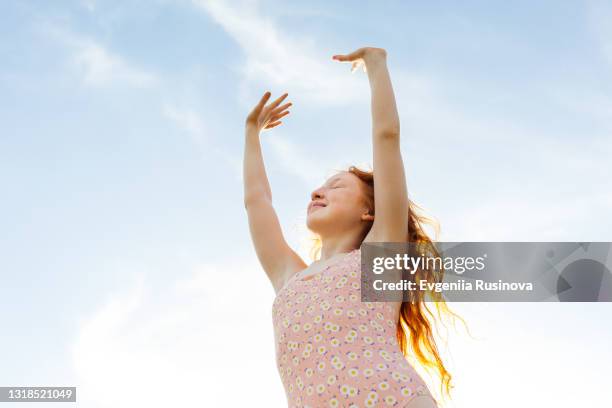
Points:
[332,350]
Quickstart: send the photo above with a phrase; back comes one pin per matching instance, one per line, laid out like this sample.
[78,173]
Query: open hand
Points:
[268,116]
[362,57]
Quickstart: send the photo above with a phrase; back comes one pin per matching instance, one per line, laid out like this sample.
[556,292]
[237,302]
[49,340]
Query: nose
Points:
[318,193]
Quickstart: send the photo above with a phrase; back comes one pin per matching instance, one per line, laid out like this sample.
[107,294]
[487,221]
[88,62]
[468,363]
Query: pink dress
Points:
[332,350]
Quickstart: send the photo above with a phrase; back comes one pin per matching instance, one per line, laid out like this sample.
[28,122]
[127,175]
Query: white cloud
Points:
[206,341]
[96,65]
[188,120]
[296,64]
[99,67]
[278,59]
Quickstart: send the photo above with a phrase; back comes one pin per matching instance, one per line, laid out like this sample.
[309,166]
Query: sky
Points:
[126,263]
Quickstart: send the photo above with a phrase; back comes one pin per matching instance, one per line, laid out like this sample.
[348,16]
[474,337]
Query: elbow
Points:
[392,132]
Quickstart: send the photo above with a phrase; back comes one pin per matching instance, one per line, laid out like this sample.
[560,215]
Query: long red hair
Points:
[415,332]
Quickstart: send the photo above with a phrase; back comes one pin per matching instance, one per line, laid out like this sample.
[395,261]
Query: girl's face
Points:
[337,205]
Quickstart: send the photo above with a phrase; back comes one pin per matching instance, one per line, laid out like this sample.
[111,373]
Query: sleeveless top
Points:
[332,350]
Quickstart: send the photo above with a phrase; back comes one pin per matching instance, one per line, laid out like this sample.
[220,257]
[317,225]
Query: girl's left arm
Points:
[390,192]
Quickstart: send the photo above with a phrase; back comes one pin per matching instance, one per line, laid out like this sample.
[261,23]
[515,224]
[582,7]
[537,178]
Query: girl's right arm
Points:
[275,255]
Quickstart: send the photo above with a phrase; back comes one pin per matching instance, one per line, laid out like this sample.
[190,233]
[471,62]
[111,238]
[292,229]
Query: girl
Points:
[332,349]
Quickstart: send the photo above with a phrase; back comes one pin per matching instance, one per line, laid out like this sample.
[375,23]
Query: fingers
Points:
[355,59]
[277,101]
[273,112]
[349,57]
[277,117]
[279,112]
[280,109]
[274,124]
[345,58]
[264,99]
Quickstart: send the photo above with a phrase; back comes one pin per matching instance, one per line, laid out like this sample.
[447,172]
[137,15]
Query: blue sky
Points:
[124,233]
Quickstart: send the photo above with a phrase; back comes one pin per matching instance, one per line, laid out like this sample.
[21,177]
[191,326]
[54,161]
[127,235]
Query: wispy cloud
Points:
[192,123]
[99,67]
[96,65]
[188,120]
[293,158]
[540,182]
[277,58]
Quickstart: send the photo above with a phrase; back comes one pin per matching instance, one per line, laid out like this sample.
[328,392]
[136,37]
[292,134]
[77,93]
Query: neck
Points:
[334,245]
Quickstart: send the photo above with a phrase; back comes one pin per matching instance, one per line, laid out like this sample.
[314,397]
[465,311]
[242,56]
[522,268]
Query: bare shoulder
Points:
[422,401]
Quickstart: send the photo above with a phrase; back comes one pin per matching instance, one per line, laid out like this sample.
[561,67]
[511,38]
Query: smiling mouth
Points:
[312,207]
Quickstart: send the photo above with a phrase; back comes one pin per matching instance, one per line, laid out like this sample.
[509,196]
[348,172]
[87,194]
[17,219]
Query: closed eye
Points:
[336,184]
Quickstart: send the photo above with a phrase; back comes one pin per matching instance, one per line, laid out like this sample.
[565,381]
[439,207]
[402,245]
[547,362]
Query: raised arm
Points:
[272,250]
[390,193]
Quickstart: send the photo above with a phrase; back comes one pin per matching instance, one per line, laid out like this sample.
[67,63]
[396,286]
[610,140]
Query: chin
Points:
[311,224]
[314,222]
